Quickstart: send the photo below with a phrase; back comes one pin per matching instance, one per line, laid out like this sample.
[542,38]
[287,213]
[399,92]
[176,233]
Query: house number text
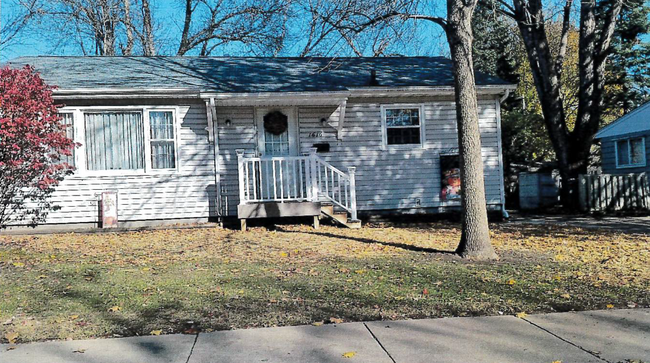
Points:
[316,134]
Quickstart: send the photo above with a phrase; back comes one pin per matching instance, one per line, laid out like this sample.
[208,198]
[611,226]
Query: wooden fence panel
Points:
[614,192]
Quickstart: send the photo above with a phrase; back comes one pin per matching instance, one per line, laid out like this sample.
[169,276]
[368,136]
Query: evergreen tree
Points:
[628,74]
[494,43]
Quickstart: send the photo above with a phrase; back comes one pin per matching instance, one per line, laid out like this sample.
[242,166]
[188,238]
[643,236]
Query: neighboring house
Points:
[625,143]
[184,139]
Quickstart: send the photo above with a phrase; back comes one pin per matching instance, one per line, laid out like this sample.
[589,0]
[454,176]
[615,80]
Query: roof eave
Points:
[144,93]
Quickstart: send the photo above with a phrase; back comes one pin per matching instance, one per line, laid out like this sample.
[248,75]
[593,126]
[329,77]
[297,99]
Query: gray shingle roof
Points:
[247,74]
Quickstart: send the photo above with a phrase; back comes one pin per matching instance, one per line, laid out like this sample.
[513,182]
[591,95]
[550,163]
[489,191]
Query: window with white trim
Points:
[134,140]
[163,141]
[402,126]
[630,152]
[114,141]
[67,119]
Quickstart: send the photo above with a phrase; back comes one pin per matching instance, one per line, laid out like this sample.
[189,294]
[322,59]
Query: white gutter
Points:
[124,93]
[315,98]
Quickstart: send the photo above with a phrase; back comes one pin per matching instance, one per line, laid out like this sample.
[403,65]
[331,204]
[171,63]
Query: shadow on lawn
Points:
[403,246]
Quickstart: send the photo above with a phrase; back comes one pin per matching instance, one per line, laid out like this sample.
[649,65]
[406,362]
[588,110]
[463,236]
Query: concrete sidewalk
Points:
[596,336]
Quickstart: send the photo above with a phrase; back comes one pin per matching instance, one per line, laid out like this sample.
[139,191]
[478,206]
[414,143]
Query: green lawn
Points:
[80,286]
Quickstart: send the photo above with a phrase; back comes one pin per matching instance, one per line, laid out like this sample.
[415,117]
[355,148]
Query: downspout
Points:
[213,135]
[504,212]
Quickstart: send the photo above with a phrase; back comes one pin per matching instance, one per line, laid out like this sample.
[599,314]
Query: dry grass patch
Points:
[96,285]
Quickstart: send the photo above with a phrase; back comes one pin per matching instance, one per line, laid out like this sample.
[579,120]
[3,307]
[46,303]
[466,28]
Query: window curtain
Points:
[114,141]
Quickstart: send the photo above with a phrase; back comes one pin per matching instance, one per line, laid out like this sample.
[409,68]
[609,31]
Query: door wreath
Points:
[276,122]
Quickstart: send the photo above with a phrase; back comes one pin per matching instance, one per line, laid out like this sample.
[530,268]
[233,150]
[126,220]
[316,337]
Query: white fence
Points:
[295,178]
[614,192]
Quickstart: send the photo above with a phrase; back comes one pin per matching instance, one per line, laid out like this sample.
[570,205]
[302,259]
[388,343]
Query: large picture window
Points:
[402,126]
[114,141]
[630,153]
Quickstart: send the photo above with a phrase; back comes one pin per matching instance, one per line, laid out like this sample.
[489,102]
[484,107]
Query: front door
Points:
[277,138]
[277,132]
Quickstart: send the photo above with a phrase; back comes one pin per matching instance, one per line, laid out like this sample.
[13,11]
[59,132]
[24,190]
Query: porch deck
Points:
[293,186]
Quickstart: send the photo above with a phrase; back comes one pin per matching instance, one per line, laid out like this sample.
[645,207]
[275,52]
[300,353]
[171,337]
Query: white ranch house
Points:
[188,139]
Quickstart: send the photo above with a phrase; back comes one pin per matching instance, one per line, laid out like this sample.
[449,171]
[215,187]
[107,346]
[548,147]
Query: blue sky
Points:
[429,39]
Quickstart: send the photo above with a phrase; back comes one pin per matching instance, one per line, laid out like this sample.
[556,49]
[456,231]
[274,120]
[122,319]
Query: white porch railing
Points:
[295,178]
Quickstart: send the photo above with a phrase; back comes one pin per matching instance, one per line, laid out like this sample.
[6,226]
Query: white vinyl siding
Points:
[387,178]
[630,153]
[187,193]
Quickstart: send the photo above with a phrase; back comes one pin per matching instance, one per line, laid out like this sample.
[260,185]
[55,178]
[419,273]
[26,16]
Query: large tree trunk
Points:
[572,148]
[475,239]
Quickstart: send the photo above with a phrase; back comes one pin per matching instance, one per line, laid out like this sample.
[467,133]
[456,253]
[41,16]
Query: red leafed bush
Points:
[32,143]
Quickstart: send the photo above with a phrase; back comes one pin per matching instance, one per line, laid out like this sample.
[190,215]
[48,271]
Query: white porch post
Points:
[353,192]
[313,174]
[240,164]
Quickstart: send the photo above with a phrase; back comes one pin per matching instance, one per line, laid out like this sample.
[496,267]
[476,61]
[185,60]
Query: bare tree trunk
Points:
[148,46]
[572,148]
[128,25]
[475,239]
[185,35]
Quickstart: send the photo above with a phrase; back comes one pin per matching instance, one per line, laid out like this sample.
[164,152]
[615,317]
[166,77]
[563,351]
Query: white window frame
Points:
[80,137]
[74,133]
[147,139]
[629,152]
[384,127]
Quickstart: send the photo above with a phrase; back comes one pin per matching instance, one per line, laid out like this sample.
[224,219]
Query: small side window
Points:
[67,119]
[163,140]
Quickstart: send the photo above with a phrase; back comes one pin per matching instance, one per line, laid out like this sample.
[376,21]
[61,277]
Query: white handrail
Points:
[295,178]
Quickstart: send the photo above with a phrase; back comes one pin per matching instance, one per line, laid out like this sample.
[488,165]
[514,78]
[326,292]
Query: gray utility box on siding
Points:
[537,190]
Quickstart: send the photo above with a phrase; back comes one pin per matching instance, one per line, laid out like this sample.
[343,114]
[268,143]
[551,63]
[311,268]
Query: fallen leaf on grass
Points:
[349,354]
[74,317]
[566,296]
[511,282]
[521,315]
[610,306]
[191,331]
[18,264]
[284,254]
[11,337]
[115,309]
[155,332]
